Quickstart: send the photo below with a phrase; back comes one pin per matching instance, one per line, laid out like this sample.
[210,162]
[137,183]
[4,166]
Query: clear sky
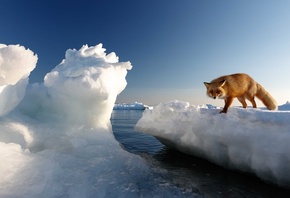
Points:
[174,46]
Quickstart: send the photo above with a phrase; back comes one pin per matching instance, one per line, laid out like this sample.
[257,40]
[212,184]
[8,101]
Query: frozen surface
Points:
[249,140]
[58,141]
[131,106]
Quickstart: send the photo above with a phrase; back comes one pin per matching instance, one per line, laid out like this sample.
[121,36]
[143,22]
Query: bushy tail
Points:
[266,98]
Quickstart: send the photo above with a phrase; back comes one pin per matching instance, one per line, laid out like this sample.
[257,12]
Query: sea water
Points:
[195,175]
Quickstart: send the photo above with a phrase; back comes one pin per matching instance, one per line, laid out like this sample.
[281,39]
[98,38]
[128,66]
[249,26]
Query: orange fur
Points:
[240,86]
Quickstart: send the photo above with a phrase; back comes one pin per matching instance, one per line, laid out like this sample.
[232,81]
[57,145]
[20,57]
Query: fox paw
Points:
[223,111]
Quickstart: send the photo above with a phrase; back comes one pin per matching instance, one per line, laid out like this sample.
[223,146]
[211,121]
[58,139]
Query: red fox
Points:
[240,86]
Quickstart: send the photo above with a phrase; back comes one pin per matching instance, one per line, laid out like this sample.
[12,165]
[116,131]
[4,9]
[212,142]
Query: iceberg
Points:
[248,140]
[56,138]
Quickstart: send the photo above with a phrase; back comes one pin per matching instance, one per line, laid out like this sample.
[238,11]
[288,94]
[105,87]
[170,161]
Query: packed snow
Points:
[56,138]
[131,106]
[248,140]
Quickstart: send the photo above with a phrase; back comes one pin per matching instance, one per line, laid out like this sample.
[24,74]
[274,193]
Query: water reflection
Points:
[213,180]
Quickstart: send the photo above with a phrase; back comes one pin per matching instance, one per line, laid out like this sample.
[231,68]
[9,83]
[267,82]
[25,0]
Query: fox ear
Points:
[206,84]
[222,83]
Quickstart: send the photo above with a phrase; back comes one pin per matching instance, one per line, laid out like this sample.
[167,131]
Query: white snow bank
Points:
[16,63]
[249,140]
[131,106]
[58,142]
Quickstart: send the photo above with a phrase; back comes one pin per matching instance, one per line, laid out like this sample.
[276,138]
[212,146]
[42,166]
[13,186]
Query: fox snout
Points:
[216,95]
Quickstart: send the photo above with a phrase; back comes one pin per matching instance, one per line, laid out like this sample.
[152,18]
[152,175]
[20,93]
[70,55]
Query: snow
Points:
[131,106]
[56,137]
[248,140]
[16,63]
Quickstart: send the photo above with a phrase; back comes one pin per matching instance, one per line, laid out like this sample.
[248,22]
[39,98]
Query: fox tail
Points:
[266,98]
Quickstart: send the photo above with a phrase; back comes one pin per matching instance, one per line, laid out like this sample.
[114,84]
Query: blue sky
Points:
[174,46]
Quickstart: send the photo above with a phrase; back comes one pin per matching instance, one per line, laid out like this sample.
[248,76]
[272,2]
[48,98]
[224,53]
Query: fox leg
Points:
[252,100]
[243,101]
[228,103]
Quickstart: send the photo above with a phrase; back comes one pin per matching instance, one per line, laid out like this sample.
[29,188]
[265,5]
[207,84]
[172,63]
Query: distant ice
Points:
[249,140]
[131,106]
[284,107]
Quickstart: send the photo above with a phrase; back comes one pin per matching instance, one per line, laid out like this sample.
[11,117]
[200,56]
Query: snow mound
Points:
[86,84]
[249,140]
[16,63]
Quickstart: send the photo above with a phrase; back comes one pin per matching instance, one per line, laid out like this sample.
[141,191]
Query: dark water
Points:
[188,172]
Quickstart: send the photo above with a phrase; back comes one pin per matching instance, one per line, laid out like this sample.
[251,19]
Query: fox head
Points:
[215,89]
